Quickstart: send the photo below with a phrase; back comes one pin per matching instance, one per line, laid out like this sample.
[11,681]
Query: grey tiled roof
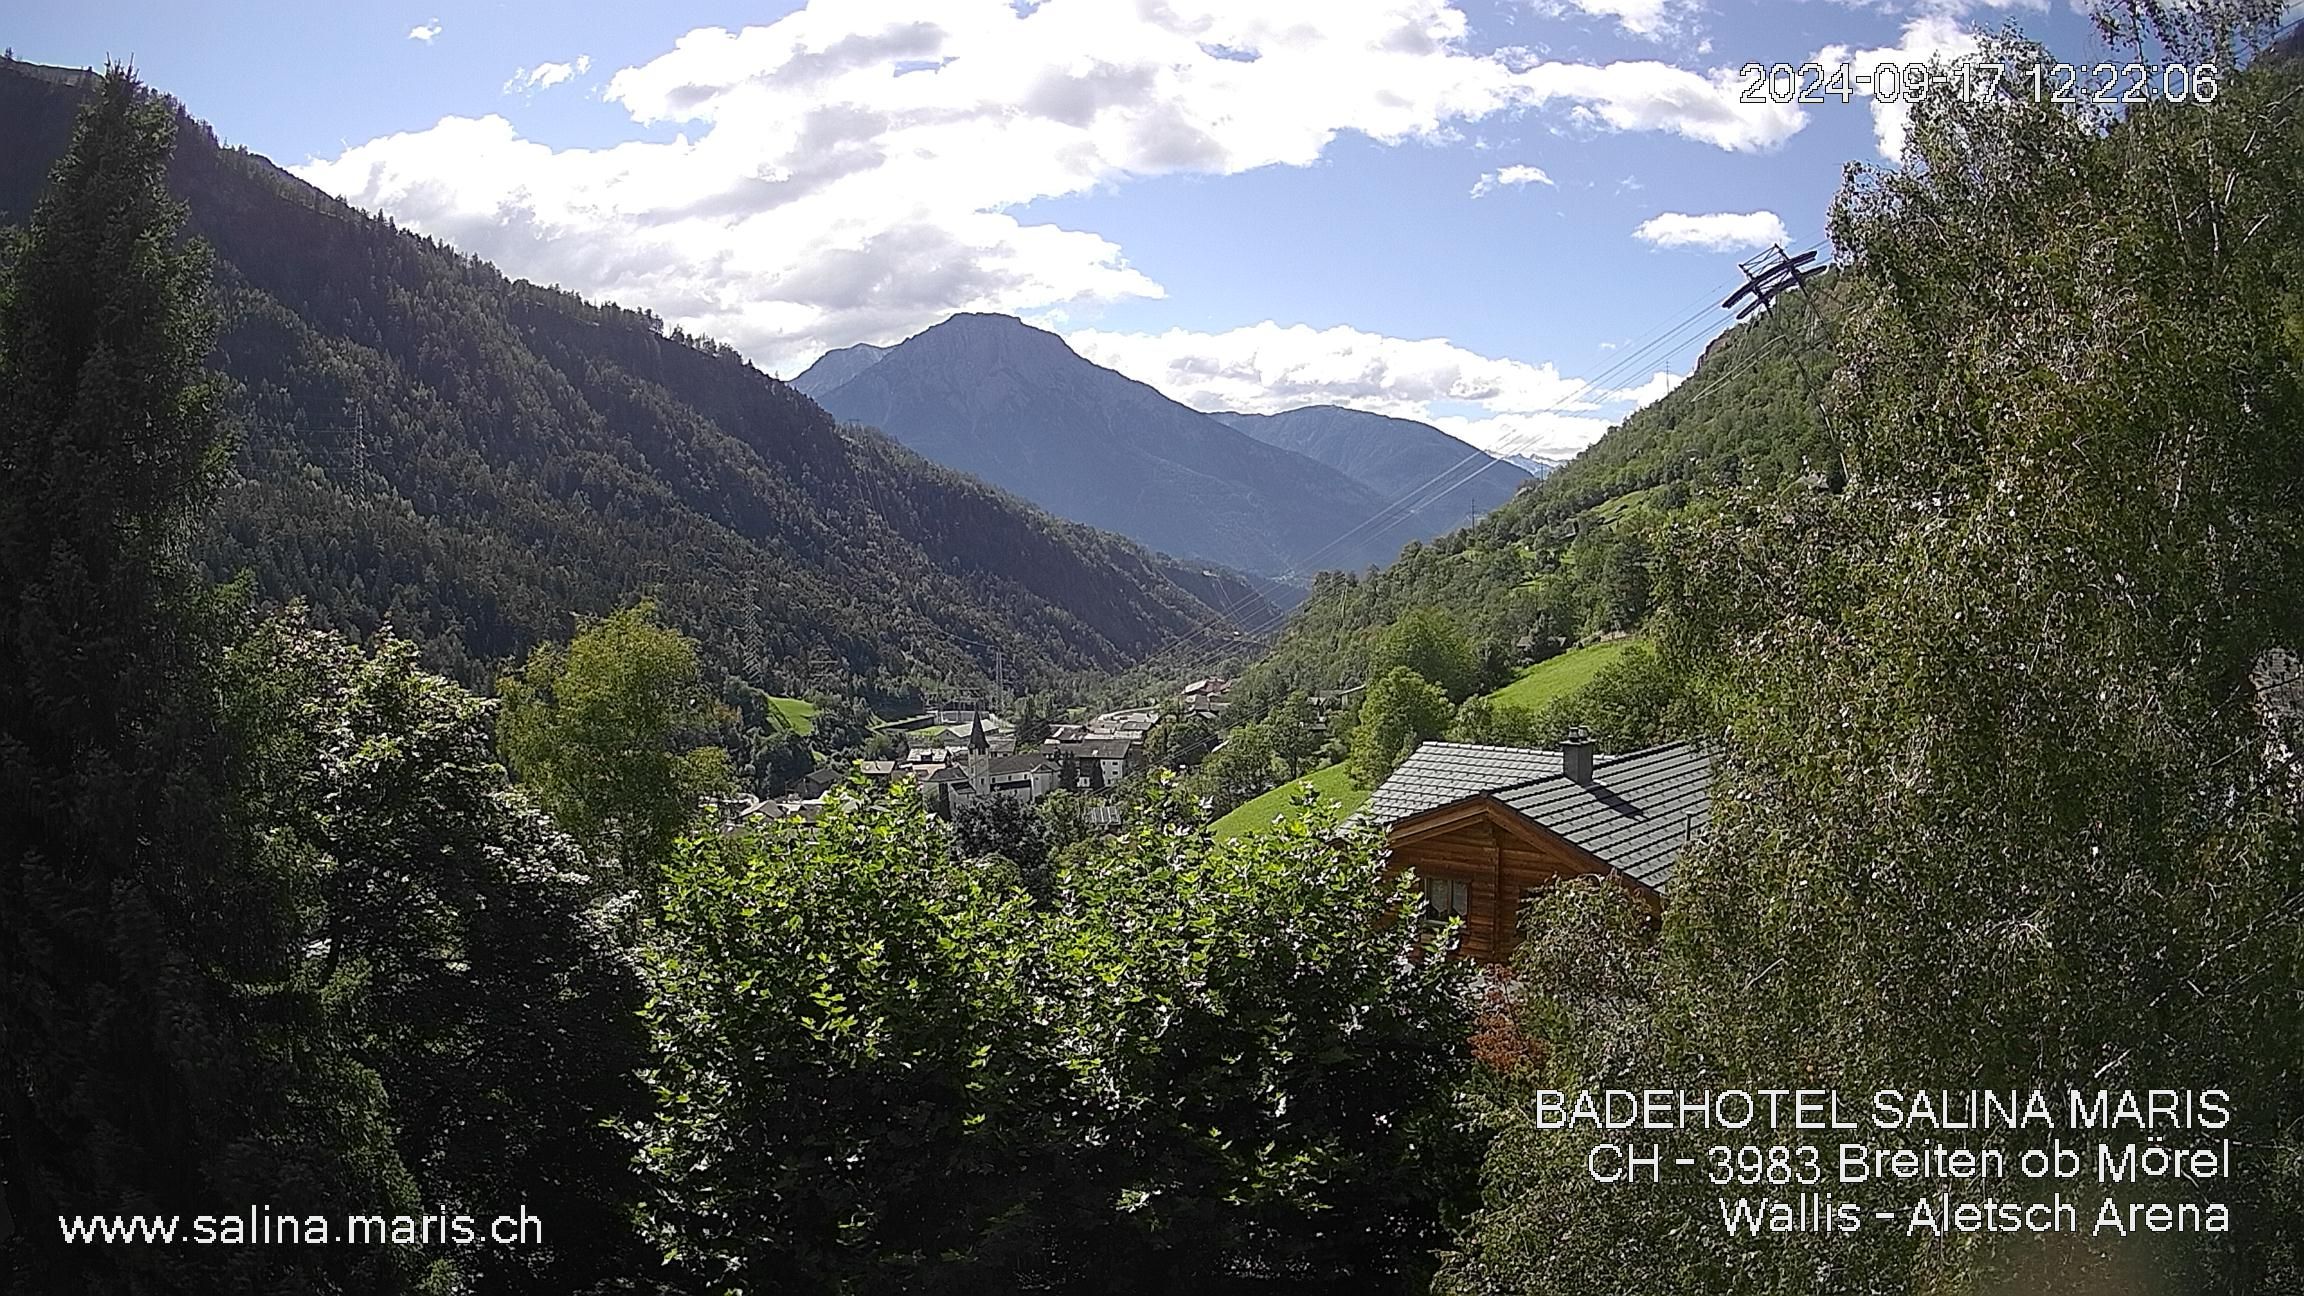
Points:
[1097,748]
[1440,772]
[1000,763]
[1639,812]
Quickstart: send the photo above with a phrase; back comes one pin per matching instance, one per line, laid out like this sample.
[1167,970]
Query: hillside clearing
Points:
[1557,676]
[1264,811]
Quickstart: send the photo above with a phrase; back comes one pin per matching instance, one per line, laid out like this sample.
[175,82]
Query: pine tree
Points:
[161,1049]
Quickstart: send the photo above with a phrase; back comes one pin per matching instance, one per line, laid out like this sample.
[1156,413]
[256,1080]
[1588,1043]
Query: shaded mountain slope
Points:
[1010,403]
[1399,459]
[1571,555]
[473,458]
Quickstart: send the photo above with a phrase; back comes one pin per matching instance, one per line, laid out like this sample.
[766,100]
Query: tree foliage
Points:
[1399,710]
[2009,796]
[1427,642]
[1198,1064]
[470,458]
[162,1045]
[458,918]
[602,732]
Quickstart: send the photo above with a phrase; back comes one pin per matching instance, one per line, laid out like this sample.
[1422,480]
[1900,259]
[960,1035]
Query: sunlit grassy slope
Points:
[1536,686]
[1565,673]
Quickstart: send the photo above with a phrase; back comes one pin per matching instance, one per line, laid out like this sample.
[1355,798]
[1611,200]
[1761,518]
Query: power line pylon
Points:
[1767,276]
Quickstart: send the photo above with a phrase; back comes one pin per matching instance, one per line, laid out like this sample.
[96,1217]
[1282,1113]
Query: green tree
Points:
[1034,718]
[1007,828]
[1501,724]
[598,732]
[1197,1066]
[1399,710]
[164,1045]
[1181,742]
[1239,769]
[1429,642]
[2005,742]
[1297,733]
[457,915]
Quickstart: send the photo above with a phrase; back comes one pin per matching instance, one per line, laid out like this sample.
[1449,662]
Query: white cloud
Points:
[1264,368]
[1717,232]
[1936,36]
[1654,19]
[425,31]
[544,76]
[1650,391]
[852,172]
[1508,177]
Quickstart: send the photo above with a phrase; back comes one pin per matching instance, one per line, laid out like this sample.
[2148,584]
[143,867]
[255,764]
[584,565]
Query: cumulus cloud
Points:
[1652,390]
[1936,36]
[1654,19]
[1716,232]
[424,31]
[853,171]
[544,76]
[1500,404]
[1508,177]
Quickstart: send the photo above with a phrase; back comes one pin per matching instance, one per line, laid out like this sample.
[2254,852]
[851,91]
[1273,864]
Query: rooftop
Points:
[1639,812]
[1437,773]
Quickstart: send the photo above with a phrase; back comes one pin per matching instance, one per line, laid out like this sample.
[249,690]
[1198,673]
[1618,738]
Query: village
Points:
[1484,827]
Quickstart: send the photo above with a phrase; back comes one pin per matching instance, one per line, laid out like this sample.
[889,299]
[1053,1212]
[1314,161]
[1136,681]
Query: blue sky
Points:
[1488,213]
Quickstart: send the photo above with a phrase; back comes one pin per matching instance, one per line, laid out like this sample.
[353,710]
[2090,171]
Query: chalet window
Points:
[1446,898]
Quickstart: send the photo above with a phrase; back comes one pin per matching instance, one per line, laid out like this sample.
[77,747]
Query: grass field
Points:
[1261,813]
[1550,678]
[1536,686]
[799,714]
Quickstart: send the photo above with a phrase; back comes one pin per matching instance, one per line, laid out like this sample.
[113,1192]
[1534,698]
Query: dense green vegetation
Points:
[1136,1084]
[2001,689]
[2008,723]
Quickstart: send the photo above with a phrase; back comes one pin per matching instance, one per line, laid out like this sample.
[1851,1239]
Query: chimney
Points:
[1576,755]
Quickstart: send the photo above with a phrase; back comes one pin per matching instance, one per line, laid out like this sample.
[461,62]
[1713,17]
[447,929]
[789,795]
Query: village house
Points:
[1024,776]
[1482,828]
[1205,696]
[1094,764]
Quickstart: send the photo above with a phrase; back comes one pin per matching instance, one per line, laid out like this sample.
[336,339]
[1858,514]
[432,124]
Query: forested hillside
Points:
[1568,557]
[471,459]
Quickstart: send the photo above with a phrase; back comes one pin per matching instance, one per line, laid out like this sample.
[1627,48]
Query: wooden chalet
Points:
[1484,827]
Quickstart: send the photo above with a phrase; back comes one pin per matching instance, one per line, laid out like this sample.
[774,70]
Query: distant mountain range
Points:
[1446,480]
[474,459]
[996,397]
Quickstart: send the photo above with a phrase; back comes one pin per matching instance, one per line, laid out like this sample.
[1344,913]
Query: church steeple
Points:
[976,741]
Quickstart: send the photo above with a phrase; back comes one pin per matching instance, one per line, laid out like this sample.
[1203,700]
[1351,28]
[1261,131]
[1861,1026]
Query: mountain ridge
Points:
[1446,478]
[1014,404]
[472,458]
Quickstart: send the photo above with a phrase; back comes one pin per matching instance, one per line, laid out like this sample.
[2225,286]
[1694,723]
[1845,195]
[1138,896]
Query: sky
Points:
[1512,219]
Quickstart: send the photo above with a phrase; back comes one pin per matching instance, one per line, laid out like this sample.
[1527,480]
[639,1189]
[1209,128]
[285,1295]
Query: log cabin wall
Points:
[1501,857]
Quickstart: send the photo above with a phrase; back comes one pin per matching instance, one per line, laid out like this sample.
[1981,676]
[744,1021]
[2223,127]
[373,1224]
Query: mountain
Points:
[836,367]
[1399,459]
[993,396]
[1569,556]
[472,459]
[1534,466]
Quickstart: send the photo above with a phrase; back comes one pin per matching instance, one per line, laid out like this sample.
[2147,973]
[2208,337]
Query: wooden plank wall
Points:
[1500,866]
